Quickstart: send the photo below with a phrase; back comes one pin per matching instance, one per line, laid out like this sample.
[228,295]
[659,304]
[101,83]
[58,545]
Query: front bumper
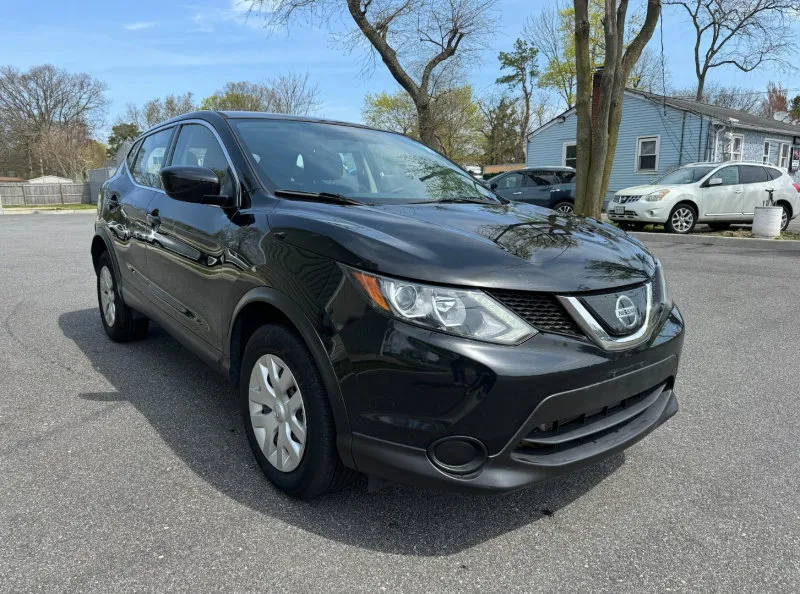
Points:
[407,389]
[641,211]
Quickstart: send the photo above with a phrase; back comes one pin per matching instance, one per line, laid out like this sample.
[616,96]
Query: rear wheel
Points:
[120,322]
[287,415]
[564,208]
[682,219]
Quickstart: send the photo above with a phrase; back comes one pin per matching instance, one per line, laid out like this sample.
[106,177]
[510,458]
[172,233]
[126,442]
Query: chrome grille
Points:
[626,199]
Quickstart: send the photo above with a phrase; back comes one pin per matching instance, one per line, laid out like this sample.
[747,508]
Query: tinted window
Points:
[772,173]
[150,159]
[728,175]
[363,164]
[750,174]
[198,147]
[566,176]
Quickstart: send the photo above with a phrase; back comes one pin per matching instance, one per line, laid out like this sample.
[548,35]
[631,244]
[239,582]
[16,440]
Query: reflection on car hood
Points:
[511,246]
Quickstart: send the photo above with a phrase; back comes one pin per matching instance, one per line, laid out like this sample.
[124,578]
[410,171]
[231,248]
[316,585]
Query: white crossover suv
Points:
[712,193]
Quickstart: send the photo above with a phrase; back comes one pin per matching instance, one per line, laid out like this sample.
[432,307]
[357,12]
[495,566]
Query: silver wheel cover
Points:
[565,209]
[108,303]
[682,220]
[784,219]
[277,413]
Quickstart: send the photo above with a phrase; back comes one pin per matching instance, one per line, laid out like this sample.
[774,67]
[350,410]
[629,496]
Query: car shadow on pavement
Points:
[193,410]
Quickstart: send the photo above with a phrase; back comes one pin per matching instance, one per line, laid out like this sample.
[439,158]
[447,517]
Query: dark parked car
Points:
[551,187]
[379,310]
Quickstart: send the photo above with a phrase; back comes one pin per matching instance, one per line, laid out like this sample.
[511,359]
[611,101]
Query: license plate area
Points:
[619,210]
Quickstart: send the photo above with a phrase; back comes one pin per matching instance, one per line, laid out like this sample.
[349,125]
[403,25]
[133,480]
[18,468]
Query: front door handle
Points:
[516,193]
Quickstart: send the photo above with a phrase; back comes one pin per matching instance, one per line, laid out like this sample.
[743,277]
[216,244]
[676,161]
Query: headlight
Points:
[661,295]
[472,314]
[656,196]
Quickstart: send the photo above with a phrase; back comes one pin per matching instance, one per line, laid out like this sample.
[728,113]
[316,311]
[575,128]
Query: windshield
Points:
[366,165]
[685,175]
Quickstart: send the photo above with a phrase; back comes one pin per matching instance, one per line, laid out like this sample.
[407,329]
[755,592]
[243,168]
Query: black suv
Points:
[379,310]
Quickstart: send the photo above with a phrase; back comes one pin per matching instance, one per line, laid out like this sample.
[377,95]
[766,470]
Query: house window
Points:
[569,156]
[647,154]
[767,147]
[783,156]
[733,148]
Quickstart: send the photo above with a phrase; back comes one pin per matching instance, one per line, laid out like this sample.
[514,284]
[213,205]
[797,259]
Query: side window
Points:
[728,175]
[132,154]
[150,159]
[566,176]
[535,178]
[750,174]
[512,180]
[772,173]
[198,147]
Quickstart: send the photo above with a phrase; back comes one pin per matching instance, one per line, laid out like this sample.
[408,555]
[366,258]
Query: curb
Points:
[738,242]
[34,211]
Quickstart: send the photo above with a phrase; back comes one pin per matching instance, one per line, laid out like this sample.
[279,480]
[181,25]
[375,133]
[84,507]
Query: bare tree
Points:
[545,32]
[649,74]
[38,100]
[66,150]
[739,98]
[597,132]
[158,110]
[743,34]
[293,94]
[776,101]
[417,40]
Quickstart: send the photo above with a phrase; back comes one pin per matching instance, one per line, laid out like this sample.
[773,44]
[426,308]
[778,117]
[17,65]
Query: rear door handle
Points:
[516,193]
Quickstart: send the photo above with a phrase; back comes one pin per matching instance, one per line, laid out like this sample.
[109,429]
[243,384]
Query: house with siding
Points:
[658,134]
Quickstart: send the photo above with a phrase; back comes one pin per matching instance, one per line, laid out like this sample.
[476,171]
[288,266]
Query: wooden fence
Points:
[22,194]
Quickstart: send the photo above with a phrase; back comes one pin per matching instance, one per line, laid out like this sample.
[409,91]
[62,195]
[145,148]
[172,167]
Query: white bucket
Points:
[767,221]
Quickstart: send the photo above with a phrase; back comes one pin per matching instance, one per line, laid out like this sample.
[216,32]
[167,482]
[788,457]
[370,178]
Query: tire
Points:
[564,207]
[682,219]
[719,226]
[785,220]
[288,419]
[120,322]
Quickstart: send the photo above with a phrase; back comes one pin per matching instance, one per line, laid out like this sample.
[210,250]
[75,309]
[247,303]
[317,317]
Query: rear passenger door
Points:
[128,202]
[185,259]
[539,186]
[755,182]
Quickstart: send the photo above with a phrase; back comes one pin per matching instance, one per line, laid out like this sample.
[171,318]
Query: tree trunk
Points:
[425,122]
[701,83]
[583,107]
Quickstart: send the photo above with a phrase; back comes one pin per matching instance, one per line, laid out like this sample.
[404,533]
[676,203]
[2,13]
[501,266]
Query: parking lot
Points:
[124,467]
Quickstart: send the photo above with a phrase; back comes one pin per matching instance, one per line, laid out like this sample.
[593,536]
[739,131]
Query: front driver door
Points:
[510,185]
[187,254]
[723,201]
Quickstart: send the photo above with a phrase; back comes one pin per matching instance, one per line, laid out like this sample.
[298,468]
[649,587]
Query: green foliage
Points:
[794,109]
[119,134]
[239,96]
[501,140]
[456,115]
[521,62]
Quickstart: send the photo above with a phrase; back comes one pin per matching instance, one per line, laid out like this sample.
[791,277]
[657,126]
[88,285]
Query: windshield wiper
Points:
[462,200]
[318,196]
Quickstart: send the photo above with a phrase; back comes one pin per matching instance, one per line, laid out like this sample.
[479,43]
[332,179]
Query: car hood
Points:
[645,189]
[509,246]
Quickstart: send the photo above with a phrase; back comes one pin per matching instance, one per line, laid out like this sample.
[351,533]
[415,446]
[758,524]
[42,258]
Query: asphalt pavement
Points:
[123,467]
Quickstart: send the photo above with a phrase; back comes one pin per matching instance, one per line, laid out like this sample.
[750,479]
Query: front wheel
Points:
[566,208]
[682,219]
[287,415]
[784,217]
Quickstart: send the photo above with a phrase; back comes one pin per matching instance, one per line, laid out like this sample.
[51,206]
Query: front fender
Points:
[303,325]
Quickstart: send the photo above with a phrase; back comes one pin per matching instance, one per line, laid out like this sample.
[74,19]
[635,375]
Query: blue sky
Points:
[150,48]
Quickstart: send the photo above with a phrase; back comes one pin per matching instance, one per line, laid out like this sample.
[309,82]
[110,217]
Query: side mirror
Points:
[714,181]
[493,186]
[199,185]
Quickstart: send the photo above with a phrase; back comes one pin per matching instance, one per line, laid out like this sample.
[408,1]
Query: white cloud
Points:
[245,13]
[139,25]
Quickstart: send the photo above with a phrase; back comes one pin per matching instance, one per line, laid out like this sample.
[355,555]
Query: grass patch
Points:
[50,206]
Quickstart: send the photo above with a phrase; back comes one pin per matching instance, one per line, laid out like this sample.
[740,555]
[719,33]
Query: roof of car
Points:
[210,115]
[718,163]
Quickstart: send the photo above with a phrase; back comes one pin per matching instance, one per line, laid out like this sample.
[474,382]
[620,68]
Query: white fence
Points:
[22,194]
